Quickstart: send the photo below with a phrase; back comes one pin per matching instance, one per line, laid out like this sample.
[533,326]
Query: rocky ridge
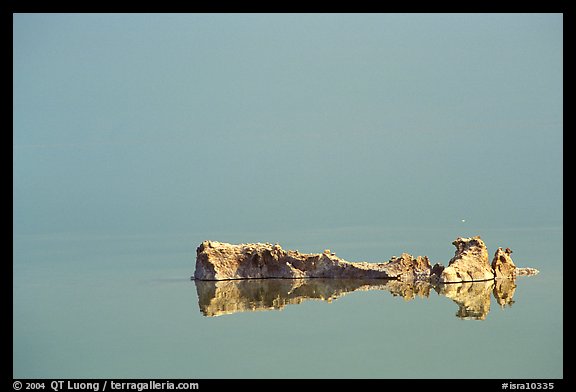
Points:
[222,261]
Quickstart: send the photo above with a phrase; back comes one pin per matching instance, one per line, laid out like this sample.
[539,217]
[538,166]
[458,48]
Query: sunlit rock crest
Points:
[221,261]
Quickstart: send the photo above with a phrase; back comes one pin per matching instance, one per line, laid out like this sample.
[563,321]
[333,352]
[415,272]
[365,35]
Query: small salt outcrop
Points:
[503,265]
[409,268]
[526,271]
[470,262]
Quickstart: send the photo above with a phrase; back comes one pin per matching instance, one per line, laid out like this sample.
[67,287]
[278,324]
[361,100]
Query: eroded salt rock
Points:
[222,261]
[503,265]
[470,262]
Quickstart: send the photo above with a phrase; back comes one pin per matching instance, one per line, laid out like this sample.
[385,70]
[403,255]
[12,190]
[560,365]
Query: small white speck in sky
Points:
[463,220]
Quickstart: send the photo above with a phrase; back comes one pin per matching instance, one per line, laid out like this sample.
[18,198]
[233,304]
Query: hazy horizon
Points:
[179,122]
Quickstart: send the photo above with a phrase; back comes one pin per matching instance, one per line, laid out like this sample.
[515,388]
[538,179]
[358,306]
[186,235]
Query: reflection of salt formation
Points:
[504,291]
[408,290]
[217,298]
[473,298]
[226,297]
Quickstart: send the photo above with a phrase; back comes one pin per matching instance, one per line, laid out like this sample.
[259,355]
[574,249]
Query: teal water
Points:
[124,306]
[138,136]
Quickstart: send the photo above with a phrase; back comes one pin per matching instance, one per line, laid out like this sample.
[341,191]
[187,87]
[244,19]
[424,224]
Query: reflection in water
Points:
[230,296]
[504,291]
[217,298]
[473,298]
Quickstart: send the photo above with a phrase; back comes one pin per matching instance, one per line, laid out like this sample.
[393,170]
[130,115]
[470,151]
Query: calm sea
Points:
[89,305]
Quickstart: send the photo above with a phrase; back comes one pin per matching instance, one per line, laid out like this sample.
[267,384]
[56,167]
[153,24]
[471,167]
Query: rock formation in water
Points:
[526,271]
[503,265]
[238,278]
[222,261]
[469,264]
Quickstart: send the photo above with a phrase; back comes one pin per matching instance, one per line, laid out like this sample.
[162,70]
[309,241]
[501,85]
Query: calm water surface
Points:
[123,306]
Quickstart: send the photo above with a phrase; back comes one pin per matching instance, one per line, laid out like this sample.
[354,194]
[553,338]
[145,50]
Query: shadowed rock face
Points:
[216,298]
